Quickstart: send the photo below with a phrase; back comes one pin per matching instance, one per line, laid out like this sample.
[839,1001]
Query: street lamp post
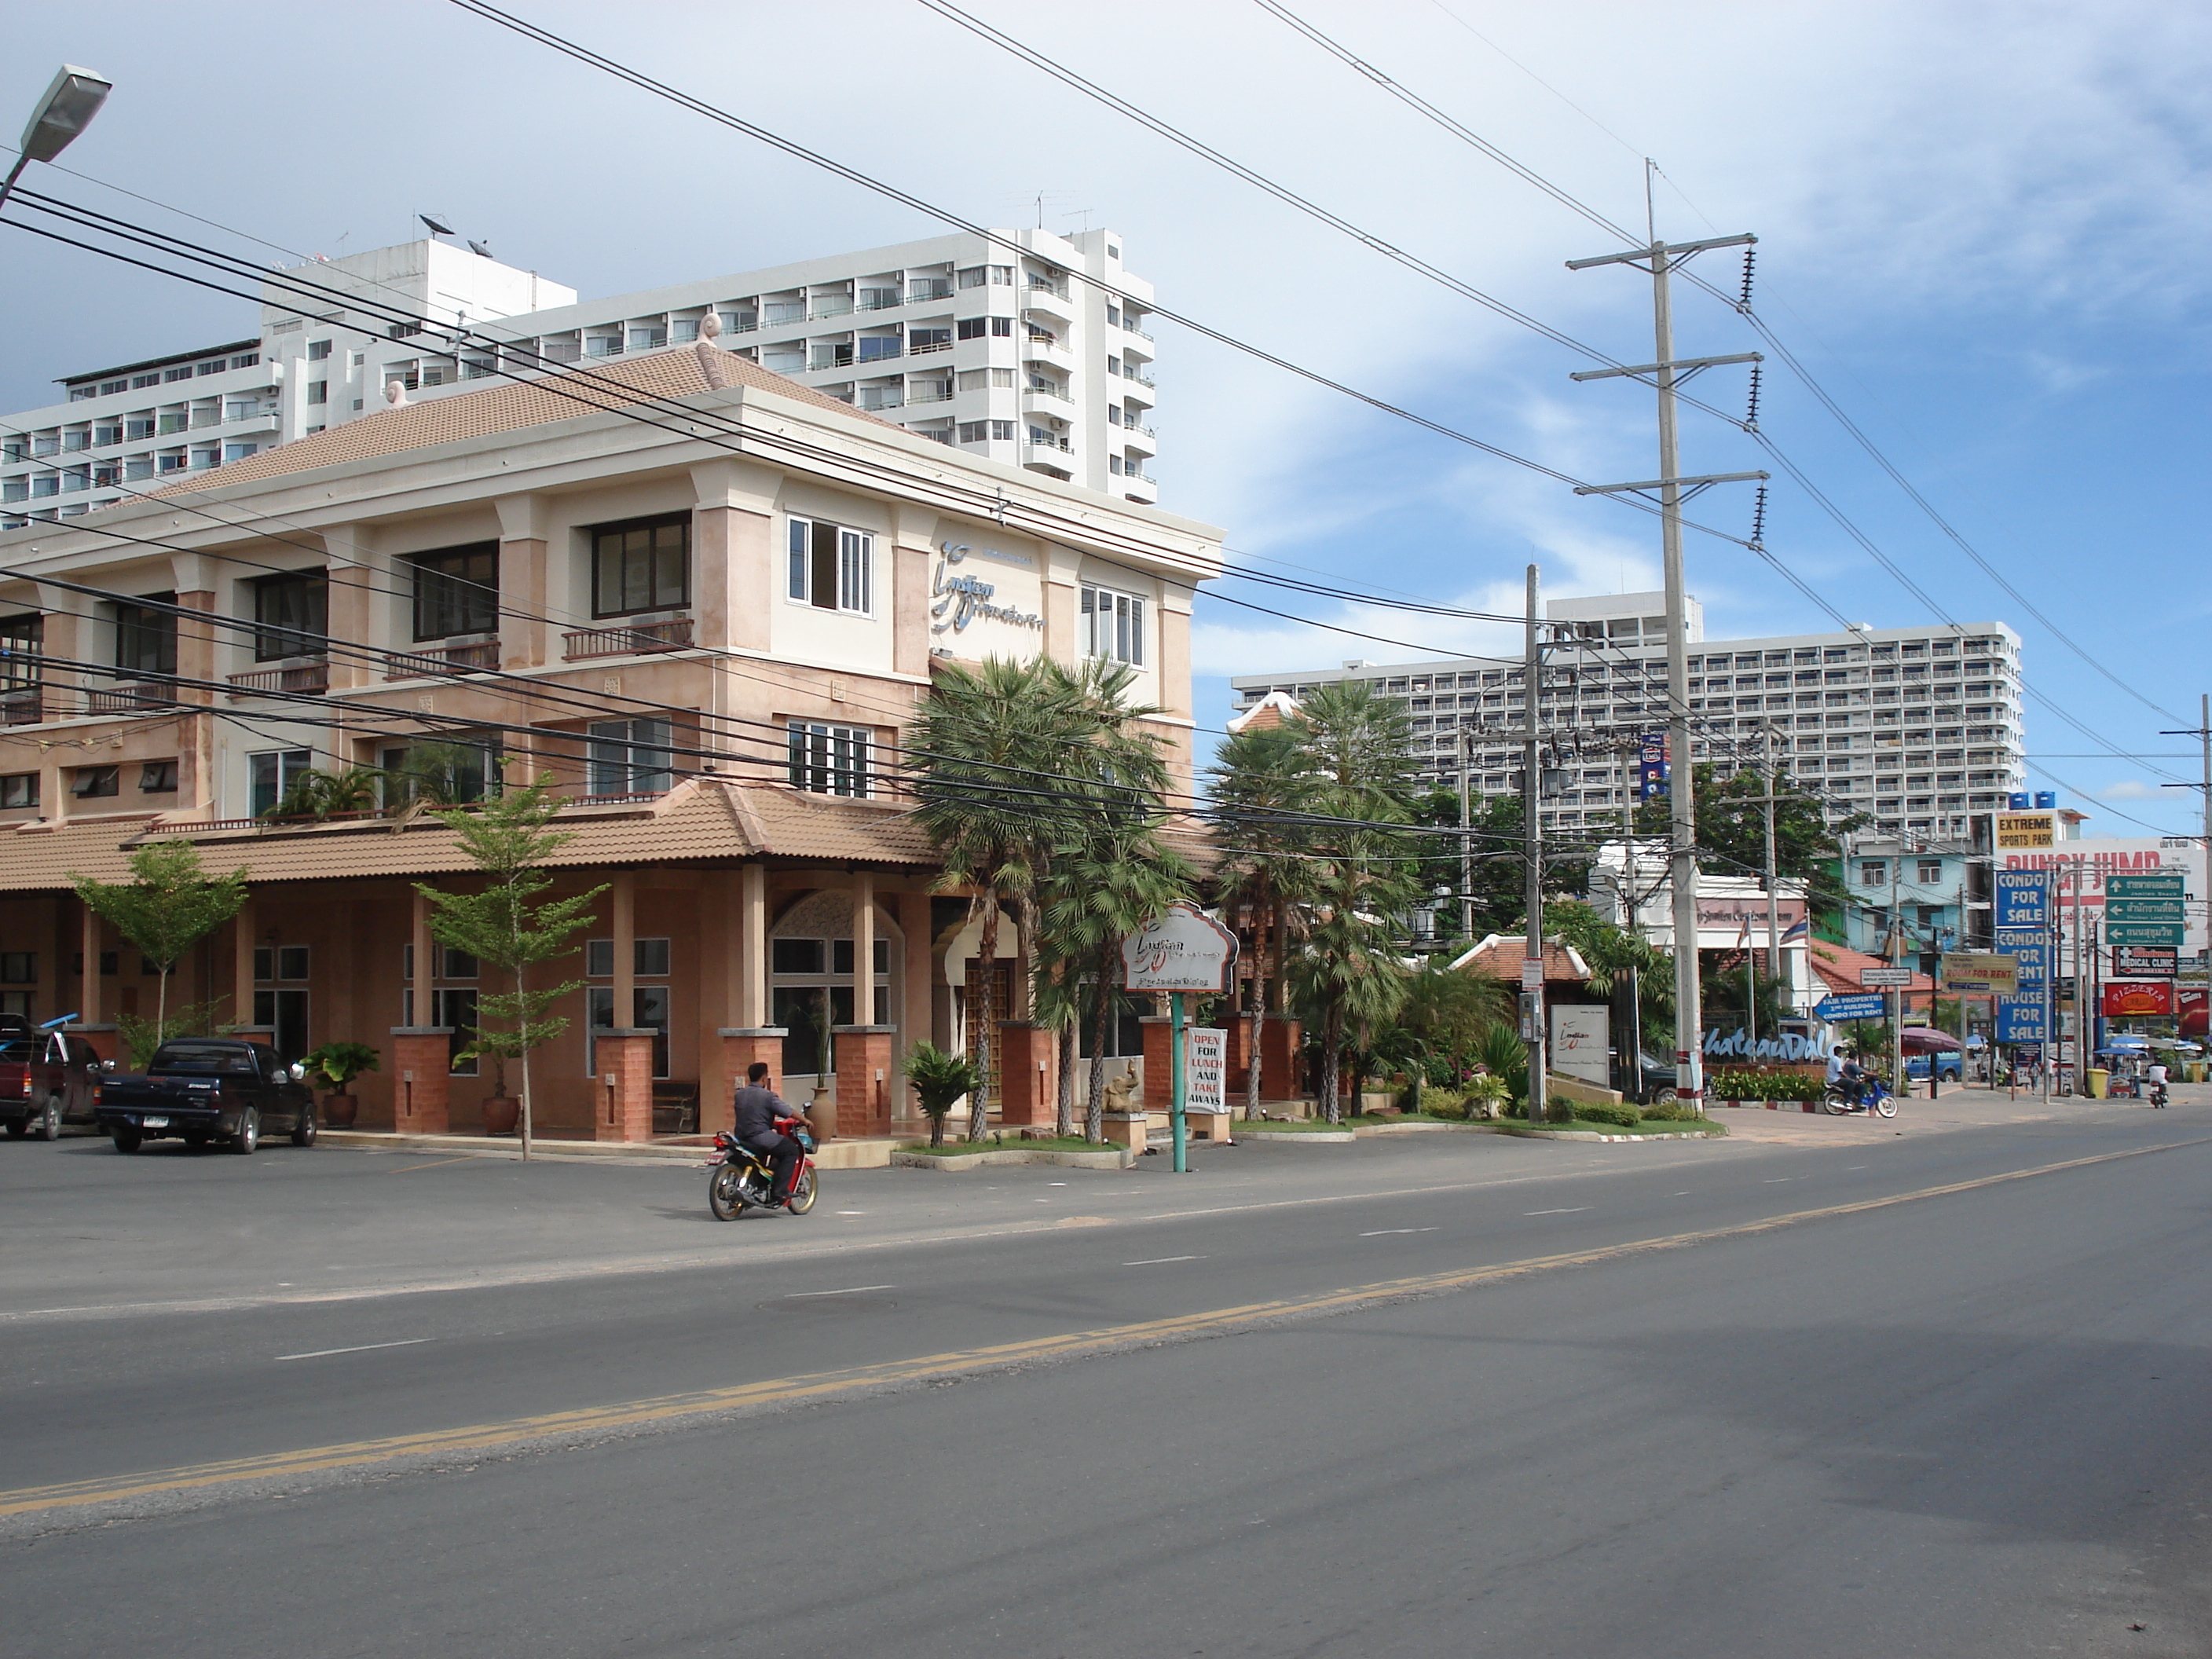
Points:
[71,101]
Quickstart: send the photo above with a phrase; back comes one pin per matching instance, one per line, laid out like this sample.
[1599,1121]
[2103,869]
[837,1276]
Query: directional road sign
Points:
[2150,909]
[1837,1009]
[2164,887]
[1873,978]
[2143,932]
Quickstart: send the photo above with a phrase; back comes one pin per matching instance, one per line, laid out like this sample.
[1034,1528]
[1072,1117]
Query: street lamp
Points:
[70,102]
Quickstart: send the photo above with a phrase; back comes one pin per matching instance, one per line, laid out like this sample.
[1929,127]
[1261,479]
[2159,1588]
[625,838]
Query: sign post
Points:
[1180,950]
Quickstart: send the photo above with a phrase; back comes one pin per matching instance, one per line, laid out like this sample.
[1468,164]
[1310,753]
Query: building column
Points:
[752,978]
[422,1002]
[623,906]
[422,1065]
[241,966]
[524,552]
[624,1064]
[913,555]
[864,948]
[864,1078]
[1028,1090]
[748,1037]
[733,552]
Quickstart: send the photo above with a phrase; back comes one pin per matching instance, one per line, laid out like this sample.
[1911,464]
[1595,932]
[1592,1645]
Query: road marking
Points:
[466,1157]
[1384,1232]
[850,1290]
[366,1347]
[1578,1210]
[971,1362]
[1160,1260]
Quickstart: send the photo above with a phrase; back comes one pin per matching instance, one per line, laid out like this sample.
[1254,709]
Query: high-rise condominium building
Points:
[1918,728]
[1004,352]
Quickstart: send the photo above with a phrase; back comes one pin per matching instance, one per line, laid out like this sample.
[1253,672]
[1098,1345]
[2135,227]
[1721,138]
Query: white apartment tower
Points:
[1918,728]
[998,347]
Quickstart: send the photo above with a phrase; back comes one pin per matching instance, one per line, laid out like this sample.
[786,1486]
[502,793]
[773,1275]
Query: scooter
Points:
[743,1180]
[1874,1099]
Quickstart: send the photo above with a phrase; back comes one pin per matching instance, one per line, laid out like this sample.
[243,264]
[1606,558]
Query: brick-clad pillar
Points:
[623,1110]
[421,1061]
[102,1038]
[1029,1053]
[1159,1093]
[1239,1026]
[741,1046]
[1278,1058]
[864,1078]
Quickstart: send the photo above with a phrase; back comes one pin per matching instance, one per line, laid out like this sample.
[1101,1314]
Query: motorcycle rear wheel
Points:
[725,1193]
[804,1194]
[1834,1103]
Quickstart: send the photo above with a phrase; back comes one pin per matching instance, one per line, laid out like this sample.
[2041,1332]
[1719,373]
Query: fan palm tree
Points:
[1262,783]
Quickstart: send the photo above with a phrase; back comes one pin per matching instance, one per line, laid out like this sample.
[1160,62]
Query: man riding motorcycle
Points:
[757,1107]
[1845,1073]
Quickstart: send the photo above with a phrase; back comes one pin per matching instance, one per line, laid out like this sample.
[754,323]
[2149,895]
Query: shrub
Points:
[1765,1085]
[1667,1111]
[1604,1111]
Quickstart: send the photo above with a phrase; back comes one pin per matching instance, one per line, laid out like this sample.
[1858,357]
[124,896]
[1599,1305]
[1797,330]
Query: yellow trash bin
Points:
[2097,1078]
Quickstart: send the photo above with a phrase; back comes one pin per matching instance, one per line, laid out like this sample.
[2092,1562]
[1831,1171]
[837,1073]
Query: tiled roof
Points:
[1839,966]
[508,406]
[701,819]
[1500,956]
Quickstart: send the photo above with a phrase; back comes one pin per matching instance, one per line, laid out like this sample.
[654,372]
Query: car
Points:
[200,1090]
[1949,1067]
[1654,1080]
[46,1079]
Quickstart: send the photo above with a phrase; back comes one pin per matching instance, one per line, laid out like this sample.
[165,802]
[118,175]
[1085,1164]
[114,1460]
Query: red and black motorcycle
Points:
[743,1181]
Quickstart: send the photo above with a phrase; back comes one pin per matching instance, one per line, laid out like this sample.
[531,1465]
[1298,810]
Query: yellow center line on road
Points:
[1074,1345]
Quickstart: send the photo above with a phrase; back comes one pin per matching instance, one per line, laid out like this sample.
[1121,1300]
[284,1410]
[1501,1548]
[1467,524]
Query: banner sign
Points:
[1205,1069]
[1580,1032]
[1841,1007]
[2173,887]
[1179,950]
[2191,1002]
[2145,962]
[1740,1045]
[1979,973]
[2148,997]
[2023,898]
[1651,767]
[2021,832]
[2030,952]
[2020,1020]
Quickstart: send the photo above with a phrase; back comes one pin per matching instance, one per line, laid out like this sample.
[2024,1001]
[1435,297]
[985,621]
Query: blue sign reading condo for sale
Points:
[2023,898]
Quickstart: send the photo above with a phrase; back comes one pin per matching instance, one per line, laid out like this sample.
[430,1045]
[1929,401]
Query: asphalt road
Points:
[1836,1391]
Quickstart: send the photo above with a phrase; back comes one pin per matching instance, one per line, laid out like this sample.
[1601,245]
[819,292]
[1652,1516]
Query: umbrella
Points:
[1927,1040]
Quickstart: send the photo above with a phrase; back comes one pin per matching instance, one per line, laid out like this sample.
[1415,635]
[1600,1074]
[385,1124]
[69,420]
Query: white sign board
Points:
[1532,973]
[1579,1034]
[1878,978]
[1205,1069]
[1179,950]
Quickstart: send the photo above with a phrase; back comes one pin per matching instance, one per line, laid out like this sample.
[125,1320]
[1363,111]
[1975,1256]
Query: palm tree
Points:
[1262,783]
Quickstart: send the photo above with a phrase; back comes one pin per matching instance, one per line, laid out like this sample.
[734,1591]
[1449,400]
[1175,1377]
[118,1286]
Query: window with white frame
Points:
[832,567]
[831,760]
[631,757]
[1113,625]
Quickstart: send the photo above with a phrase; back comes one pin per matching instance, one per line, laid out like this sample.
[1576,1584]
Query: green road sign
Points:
[2142,932]
[2166,887]
[2143,910]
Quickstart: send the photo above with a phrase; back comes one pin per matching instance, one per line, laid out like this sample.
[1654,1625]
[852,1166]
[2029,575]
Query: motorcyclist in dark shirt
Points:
[757,1107]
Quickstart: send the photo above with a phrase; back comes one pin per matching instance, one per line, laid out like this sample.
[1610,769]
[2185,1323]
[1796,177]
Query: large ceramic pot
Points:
[501,1113]
[823,1110]
[339,1110]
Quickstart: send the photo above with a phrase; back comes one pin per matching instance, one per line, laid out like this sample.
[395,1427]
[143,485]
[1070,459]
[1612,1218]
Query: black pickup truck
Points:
[204,1089]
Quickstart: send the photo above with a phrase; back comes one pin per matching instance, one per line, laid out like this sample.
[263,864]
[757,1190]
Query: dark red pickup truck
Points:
[46,1079]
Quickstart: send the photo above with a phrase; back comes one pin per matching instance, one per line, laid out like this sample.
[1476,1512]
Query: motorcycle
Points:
[2158,1095]
[743,1179]
[1874,1099]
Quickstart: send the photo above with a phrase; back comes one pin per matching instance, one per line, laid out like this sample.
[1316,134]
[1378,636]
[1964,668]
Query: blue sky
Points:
[1985,229]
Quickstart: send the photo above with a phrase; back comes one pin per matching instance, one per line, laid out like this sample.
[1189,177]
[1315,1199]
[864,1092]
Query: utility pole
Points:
[1532,790]
[1466,832]
[2202,732]
[1667,375]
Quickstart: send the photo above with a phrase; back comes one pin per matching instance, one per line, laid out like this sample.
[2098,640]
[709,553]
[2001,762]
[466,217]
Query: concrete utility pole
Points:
[1532,840]
[1467,834]
[2202,732]
[1667,374]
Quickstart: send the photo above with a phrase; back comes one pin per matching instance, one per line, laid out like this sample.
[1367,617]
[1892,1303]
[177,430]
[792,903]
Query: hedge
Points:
[1766,1085]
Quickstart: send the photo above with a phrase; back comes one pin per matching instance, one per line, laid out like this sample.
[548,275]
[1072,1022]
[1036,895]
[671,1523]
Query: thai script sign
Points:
[2145,962]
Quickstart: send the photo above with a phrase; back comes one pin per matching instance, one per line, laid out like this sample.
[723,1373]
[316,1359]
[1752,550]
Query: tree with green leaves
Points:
[315,794]
[507,925]
[168,906]
[938,1079]
[1261,784]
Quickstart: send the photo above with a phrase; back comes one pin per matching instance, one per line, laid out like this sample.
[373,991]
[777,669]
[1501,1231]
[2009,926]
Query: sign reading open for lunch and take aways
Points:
[1205,1069]
[1181,949]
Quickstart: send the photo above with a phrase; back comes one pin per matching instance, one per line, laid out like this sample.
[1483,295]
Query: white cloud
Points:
[2129,789]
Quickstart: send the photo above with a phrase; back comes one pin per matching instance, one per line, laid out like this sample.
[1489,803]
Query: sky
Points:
[1982,228]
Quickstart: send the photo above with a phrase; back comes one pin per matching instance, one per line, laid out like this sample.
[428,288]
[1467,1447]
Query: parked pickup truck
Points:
[204,1089]
[46,1079]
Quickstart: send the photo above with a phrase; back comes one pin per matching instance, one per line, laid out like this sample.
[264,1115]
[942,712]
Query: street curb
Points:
[1318,1137]
[1120,1158]
[836,1155]
[1522,1132]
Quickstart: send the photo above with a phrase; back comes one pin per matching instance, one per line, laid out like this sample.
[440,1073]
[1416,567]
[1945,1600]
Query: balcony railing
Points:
[928,347]
[674,636]
[474,658]
[125,699]
[309,677]
[936,288]
[22,708]
[929,392]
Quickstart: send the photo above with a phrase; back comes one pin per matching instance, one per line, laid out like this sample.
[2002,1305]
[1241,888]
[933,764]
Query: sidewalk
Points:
[865,1153]
[1968,1108]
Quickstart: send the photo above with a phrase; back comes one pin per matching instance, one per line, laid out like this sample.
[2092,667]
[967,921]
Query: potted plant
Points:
[502,1111]
[939,1080]
[332,1066]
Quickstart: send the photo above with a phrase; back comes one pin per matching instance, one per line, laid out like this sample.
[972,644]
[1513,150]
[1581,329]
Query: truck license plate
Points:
[153,1122]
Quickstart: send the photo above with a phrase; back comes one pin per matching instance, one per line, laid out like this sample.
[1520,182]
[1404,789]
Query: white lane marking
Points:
[850,1290]
[366,1347]
[1157,1261]
[1856,1167]
[1681,1195]
[1384,1232]
[1776,1181]
[851,1212]
[1578,1210]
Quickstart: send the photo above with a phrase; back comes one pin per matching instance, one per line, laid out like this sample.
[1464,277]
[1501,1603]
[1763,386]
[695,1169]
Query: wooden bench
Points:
[675,1108]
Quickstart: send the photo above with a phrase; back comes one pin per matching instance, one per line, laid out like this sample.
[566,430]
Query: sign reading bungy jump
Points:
[1181,949]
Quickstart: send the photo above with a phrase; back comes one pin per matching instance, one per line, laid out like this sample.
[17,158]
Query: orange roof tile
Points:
[509,406]
[1839,966]
[1500,956]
